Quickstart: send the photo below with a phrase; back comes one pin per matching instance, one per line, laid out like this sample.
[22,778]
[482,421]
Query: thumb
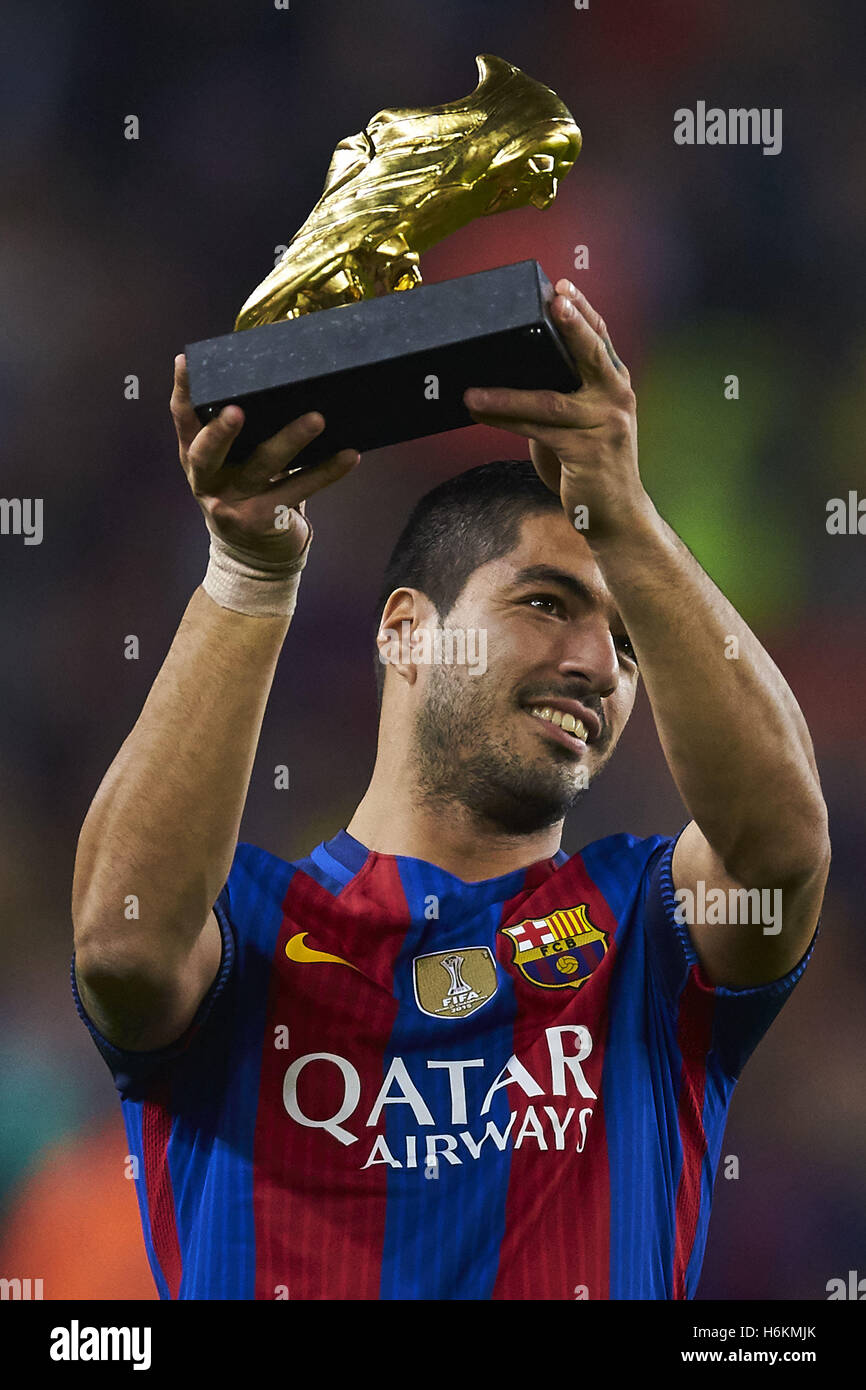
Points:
[546,465]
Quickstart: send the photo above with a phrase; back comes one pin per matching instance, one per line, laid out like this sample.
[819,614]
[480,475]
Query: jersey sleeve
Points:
[730,1022]
[132,1070]
[248,911]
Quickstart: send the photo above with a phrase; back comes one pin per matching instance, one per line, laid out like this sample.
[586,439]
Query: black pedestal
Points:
[385,370]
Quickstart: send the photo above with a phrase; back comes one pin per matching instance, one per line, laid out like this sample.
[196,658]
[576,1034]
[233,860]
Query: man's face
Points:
[555,649]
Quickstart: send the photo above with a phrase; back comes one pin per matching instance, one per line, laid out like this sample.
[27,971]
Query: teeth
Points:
[563,721]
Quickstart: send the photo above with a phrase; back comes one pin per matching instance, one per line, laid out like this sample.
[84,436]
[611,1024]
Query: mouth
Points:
[563,721]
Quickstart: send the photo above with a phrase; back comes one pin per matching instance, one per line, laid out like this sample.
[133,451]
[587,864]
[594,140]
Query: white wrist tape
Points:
[245,583]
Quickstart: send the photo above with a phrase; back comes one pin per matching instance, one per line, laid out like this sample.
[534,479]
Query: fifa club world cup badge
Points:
[558,951]
[452,984]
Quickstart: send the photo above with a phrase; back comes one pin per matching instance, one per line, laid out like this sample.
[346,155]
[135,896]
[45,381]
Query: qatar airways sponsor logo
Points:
[458,1135]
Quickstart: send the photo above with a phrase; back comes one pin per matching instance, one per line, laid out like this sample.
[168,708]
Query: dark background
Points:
[704,262]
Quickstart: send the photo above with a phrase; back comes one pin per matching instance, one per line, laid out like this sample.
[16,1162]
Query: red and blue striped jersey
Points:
[405,1086]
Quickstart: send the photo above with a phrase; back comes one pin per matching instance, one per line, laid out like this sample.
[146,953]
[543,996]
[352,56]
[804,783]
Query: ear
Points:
[406,611]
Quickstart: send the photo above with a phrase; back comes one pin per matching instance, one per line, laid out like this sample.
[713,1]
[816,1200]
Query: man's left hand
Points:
[583,444]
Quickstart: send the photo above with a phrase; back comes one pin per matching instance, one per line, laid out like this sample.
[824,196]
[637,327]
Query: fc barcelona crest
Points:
[559,951]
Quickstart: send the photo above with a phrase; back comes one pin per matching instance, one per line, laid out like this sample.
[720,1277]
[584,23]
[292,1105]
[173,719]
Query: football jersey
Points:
[404,1086]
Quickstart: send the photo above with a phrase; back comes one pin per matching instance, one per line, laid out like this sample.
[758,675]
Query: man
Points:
[439,1058]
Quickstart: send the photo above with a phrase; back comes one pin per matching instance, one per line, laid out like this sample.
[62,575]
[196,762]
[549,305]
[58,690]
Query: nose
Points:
[589,652]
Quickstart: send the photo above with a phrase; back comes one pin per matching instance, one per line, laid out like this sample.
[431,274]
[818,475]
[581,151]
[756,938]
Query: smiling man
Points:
[439,1058]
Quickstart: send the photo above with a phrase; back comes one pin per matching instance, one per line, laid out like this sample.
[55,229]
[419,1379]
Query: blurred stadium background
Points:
[704,261]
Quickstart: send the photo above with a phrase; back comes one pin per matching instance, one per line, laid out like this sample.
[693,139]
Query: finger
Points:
[583,342]
[582,304]
[529,429]
[547,465]
[294,490]
[277,454]
[500,405]
[207,452]
[593,318]
[186,422]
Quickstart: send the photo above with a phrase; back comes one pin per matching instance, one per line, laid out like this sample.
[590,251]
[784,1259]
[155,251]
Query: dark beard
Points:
[459,760]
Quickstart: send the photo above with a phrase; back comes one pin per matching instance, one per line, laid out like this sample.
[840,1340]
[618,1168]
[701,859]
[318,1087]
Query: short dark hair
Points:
[458,526]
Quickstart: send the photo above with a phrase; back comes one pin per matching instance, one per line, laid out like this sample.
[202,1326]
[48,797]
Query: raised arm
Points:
[733,735]
[164,823]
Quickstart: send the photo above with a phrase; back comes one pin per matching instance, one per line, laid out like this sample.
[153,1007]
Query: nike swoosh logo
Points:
[304,955]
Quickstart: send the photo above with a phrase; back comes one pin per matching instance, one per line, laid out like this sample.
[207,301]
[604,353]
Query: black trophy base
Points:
[385,370]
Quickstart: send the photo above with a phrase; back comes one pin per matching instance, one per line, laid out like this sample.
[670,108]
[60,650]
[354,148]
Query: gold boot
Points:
[411,178]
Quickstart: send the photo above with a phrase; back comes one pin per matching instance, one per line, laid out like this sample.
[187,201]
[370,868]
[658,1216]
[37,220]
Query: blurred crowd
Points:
[705,262]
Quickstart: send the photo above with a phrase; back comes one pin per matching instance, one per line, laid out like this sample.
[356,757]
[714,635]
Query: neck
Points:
[393,818]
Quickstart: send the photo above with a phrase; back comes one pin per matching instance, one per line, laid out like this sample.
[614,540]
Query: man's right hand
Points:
[243,503]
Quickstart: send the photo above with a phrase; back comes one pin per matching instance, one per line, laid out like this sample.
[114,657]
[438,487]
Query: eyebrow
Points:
[549,574]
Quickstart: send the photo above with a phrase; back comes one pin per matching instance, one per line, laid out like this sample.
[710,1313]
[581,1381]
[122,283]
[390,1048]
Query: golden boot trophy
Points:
[324,331]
